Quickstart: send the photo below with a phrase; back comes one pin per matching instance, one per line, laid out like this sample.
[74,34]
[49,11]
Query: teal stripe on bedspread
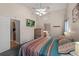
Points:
[43,51]
[53,51]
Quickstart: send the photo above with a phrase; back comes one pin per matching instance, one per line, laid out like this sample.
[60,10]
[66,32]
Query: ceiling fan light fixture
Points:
[37,13]
[41,12]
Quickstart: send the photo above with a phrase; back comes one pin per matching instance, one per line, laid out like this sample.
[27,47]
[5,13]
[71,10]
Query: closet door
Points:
[4,34]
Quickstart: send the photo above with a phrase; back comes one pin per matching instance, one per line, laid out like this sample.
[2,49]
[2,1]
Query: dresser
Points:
[37,33]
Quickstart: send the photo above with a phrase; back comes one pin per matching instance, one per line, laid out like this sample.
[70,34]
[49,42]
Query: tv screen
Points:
[30,23]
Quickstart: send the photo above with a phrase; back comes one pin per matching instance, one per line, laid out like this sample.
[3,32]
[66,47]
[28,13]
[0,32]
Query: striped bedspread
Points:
[40,47]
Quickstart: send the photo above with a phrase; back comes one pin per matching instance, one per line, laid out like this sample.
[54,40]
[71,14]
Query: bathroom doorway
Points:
[15,33]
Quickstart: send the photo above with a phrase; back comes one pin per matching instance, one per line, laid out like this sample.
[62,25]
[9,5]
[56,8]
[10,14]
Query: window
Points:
[66,26]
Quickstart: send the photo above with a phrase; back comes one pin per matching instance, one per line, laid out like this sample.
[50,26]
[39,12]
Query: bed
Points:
[42,46]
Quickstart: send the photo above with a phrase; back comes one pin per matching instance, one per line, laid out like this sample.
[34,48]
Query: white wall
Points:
[19,12]
[55,18]
[74,27]
[4,33]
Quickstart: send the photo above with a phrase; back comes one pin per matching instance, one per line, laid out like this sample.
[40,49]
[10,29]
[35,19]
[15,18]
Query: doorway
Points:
[15,34]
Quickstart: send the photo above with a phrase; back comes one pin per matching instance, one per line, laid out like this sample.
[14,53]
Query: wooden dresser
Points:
[37,33]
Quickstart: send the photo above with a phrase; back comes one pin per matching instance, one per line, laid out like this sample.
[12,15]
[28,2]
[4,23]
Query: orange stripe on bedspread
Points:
[49,49]
[31,45]
[38,46]
[35,45]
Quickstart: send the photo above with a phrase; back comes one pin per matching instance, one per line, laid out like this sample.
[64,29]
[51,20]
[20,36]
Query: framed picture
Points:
[30,23]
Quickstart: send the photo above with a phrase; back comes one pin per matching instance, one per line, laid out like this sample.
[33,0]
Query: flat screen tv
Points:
[30,23]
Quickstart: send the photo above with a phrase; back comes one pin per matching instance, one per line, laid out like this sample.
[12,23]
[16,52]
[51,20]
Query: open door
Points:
[15,39]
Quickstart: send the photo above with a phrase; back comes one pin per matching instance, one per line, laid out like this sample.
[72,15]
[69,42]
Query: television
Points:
[30,23]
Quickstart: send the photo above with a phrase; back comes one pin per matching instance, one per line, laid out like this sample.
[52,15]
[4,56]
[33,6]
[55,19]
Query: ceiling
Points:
[53,6]
[49,6]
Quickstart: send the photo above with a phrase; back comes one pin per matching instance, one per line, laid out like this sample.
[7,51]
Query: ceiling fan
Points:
[41,11]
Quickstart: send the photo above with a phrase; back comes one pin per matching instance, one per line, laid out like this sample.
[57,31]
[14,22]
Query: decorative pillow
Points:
[66,48]
[63,41]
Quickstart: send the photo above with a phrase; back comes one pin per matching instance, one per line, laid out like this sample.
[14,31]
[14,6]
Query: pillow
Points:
[66,48]
[63,41]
